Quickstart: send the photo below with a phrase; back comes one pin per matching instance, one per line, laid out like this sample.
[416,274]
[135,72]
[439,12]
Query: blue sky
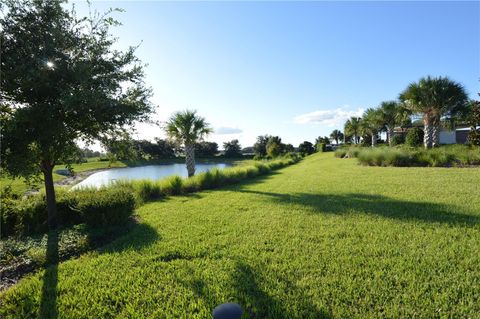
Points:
[293,69]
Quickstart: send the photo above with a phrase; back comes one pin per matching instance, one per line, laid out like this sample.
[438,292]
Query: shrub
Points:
[398,139]
[106,206]
[95,207]
[414,137]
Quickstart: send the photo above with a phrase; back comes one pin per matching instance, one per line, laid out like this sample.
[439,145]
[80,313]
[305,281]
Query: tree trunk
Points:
[47,169]
[355,138]
[389,136]
[427,131]
[190,159]
[336,140]
[436,132]
[374,140]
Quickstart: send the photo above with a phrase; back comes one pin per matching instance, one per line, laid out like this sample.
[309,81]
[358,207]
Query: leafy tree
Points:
[306,148]
[336,135]
[274,149]
[473,120]
[61,81]
[260,147]
[352,128]
[206,149]
[232,149]
[288,148]
[163,149]
[434,98]
[187,128]
[158,149]
[121,147]
[371,124]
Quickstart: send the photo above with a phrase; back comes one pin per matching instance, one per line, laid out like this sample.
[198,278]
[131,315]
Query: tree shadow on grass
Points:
[374,205]
[259,304]
[132,235]
[48,301]
[246,290]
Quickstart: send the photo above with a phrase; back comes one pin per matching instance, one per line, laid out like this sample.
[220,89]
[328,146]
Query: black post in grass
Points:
[227,311]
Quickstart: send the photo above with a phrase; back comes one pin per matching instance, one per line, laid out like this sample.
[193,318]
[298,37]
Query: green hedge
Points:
[110,206]
[444,156]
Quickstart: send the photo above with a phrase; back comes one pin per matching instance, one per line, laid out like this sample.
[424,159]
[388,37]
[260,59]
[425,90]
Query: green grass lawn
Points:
[325,238]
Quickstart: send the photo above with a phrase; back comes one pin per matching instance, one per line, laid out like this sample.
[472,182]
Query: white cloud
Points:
[227,130]
[332,118]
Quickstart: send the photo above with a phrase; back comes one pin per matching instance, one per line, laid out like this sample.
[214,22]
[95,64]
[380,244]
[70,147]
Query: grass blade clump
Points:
[171,185]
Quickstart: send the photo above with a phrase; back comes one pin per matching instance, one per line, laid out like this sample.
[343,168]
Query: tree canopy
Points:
[61,82]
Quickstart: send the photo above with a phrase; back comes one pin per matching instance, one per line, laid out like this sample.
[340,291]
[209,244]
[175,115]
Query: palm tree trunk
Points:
[427,131]
[436,132]
[390,135]
[47,169]
[190,159]
[374,140]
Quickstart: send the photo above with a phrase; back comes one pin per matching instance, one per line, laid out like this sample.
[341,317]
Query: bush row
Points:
[445,156]
[146,190]
[106,206]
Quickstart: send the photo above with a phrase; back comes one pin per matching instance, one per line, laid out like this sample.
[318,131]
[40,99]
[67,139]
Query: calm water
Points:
[143,172]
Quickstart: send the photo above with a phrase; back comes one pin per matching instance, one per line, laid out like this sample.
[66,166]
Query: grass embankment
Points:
[323,238]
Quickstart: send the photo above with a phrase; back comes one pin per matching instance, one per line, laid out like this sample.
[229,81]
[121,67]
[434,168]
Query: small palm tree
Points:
[352,128]
[372,123]
[393,114]
[336,135]
[434,98]
[187,128]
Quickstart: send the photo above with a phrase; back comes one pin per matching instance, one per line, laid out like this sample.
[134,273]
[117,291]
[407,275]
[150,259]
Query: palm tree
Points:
[434,98]
[372,123]
[336,135]
[352,128]
[393,113]
[186,128]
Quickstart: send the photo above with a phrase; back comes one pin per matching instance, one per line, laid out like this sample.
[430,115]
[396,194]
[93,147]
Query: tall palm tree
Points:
[434,98]
[336,135]
[372,123]
[393,113]
[187,128]
[352,128]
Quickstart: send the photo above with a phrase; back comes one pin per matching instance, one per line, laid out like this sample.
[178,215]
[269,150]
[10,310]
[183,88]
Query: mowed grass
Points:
[325,238]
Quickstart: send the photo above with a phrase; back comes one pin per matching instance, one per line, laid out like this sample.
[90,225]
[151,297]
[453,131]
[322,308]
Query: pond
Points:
[153,172]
